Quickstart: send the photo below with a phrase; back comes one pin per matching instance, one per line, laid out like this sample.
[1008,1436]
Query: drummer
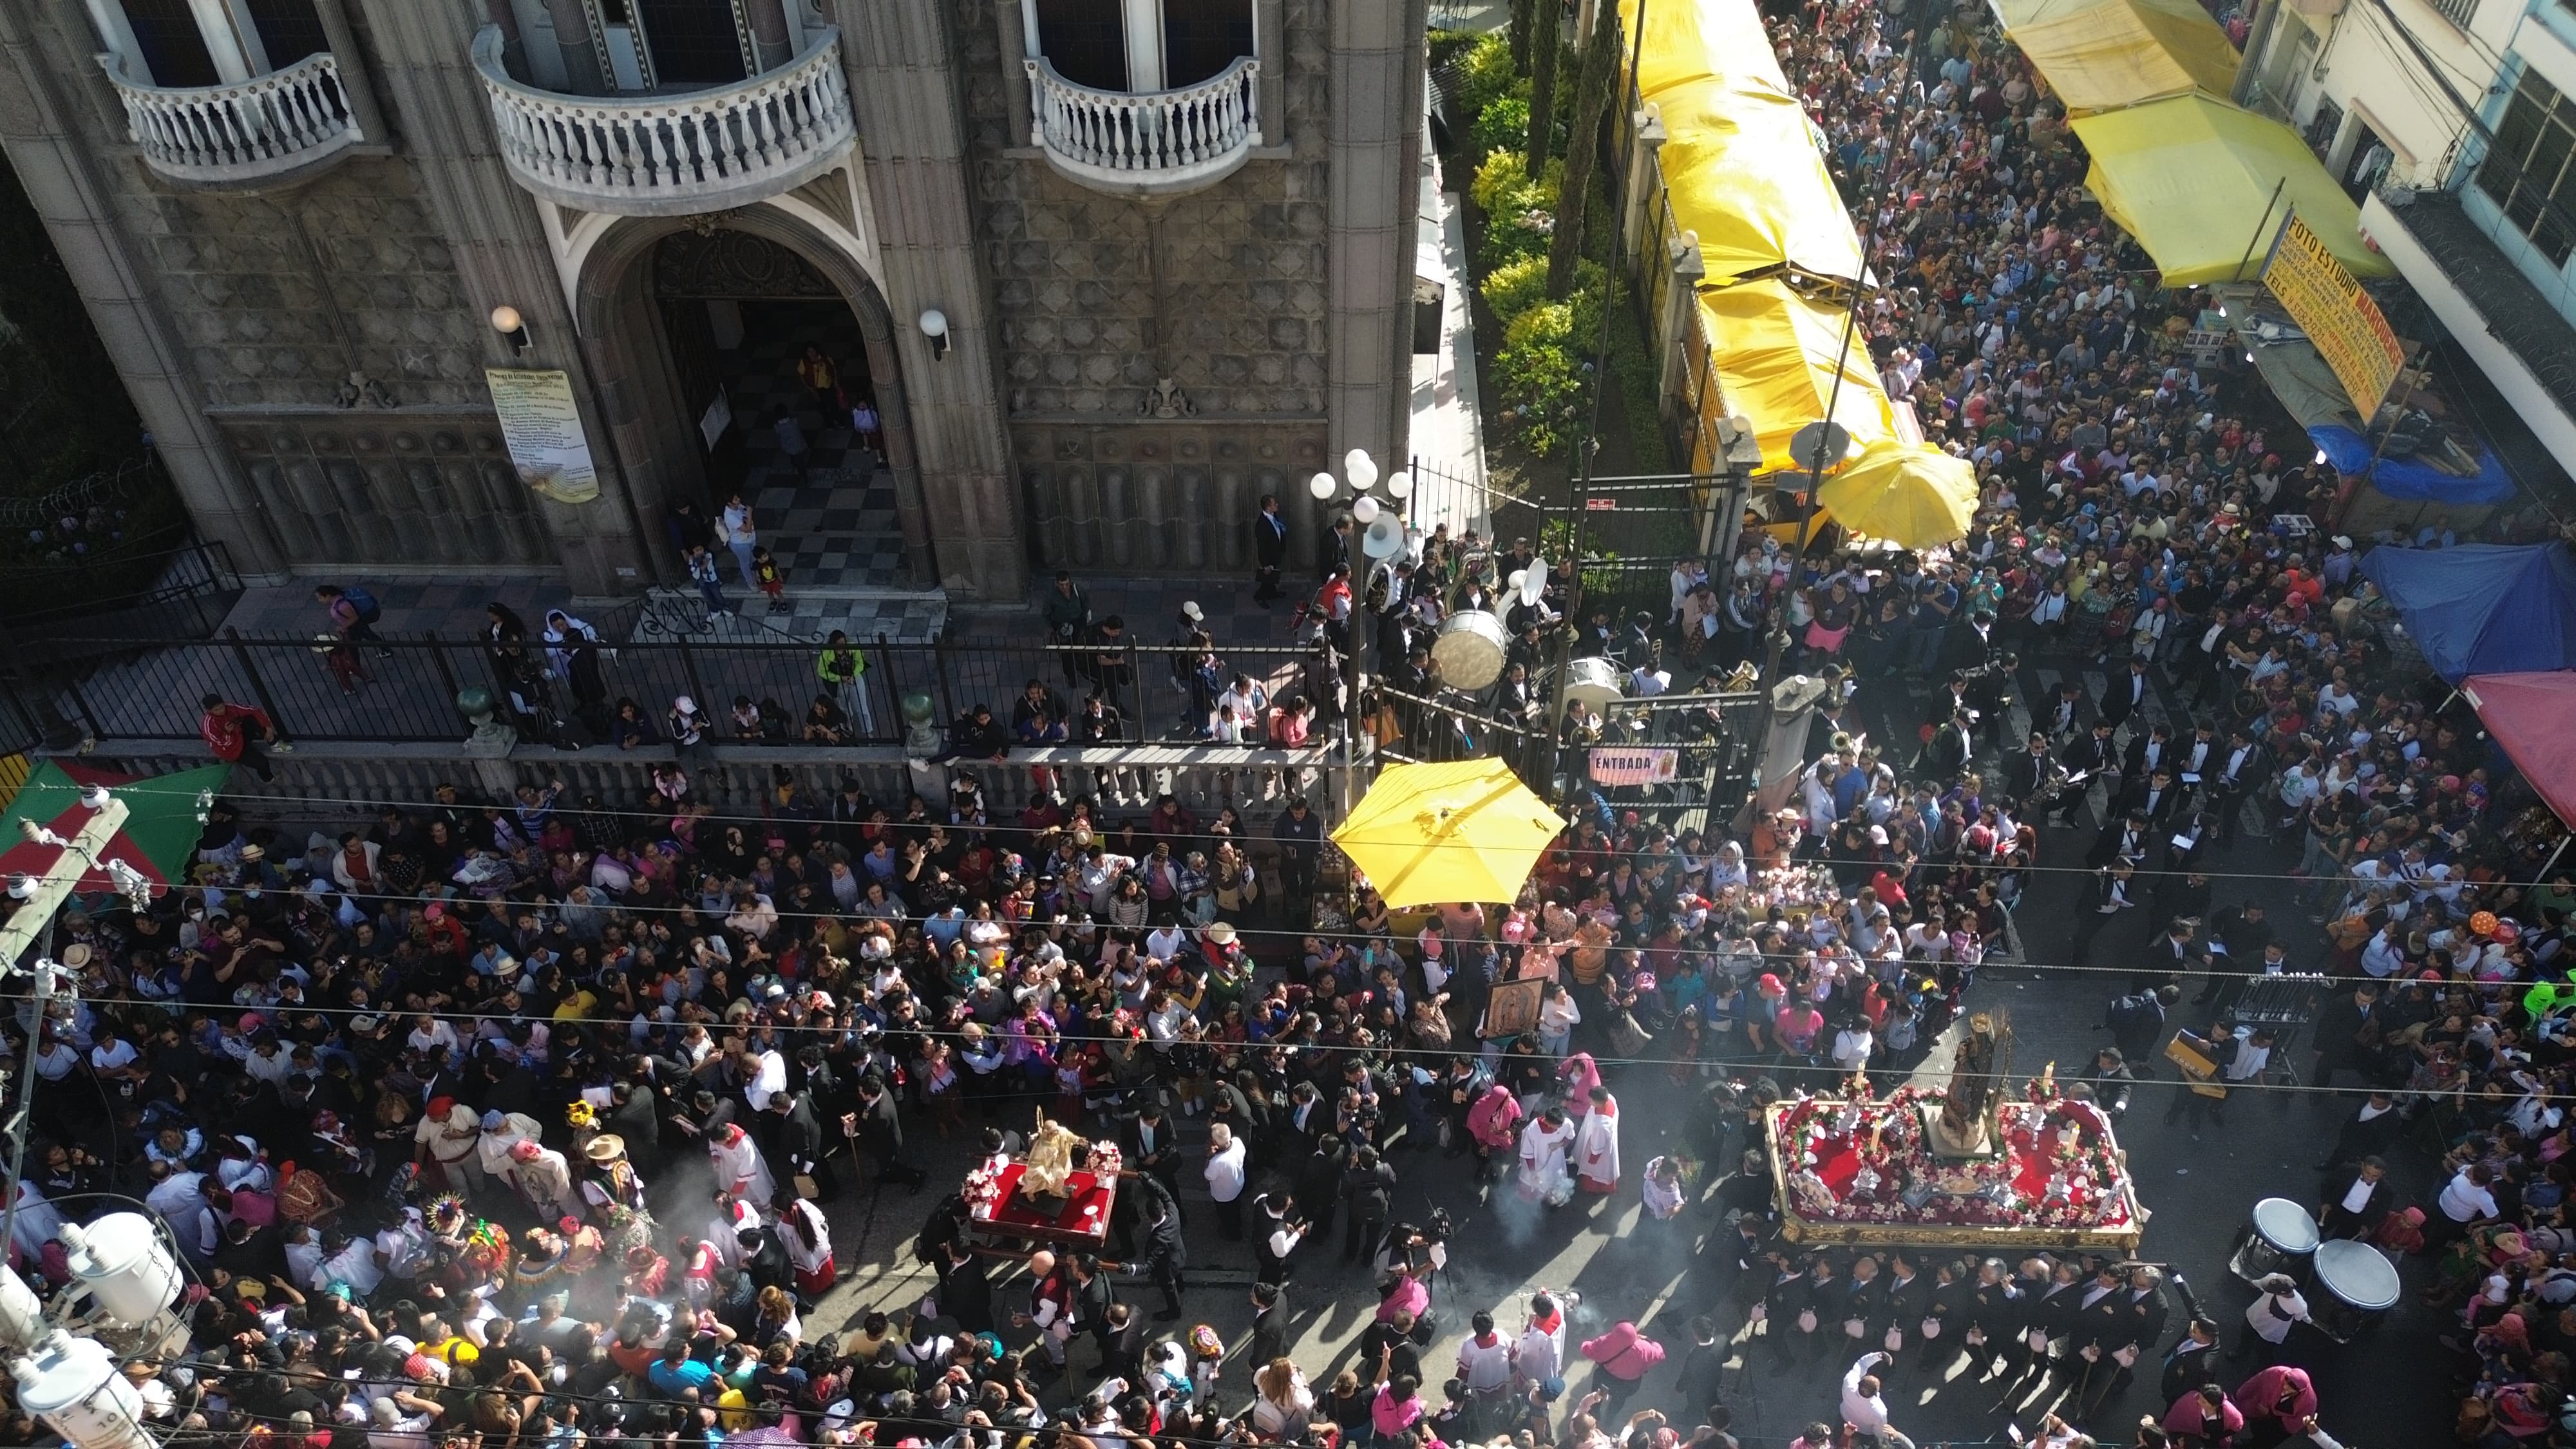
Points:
[2277,1307]
[2355,1200]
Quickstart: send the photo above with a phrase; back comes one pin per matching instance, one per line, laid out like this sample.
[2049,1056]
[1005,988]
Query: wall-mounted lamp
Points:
[934,325]
[512,327]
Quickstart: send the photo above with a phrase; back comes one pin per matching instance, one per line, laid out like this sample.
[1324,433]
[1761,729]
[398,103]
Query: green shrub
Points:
[1486,76]
[1516,286]
[1540,389]
[1502,126]
[1497,177]
[1550,324]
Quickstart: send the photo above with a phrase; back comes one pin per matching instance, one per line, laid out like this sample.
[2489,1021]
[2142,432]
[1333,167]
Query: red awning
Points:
[2534,717]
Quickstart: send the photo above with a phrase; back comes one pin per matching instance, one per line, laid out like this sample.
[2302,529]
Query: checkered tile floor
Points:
[835,527]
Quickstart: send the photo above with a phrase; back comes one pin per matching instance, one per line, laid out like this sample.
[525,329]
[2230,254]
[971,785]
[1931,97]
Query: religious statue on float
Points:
[1965,1126]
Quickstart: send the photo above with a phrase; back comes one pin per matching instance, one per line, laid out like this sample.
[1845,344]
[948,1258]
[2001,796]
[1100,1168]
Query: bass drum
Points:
[1470,649]
[1593,681]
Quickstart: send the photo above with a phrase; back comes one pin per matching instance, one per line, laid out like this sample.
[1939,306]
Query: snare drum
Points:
[2356,1285]
[2280,1237]
[1470,649]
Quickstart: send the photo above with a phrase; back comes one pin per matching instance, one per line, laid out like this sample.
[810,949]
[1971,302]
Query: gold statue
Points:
[1050,1163]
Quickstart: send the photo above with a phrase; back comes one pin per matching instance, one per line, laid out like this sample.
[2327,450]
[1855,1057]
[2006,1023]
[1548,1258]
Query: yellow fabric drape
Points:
[2190,178]
[1740,157]
[2100,55]
[1775,361]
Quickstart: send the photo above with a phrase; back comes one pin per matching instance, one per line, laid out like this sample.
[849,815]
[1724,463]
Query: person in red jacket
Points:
[227,729]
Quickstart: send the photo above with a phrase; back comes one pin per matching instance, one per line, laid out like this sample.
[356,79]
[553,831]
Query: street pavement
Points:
[2387,1388]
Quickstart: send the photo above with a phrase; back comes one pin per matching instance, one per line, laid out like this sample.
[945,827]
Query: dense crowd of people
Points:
[527,1120]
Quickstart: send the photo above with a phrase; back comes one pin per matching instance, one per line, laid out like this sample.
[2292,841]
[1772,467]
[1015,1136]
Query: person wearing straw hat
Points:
[608,1180]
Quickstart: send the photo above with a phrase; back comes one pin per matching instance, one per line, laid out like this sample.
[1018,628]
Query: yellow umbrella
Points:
[1911,494]
[1464,831]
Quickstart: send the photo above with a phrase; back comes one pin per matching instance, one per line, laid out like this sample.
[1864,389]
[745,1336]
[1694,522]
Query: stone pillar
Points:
[1143,23]
[770,43]
[581,65]
[1019,42]
[1681,301]
[1374,68]
[40,129]
[235,59]
[905,86]
[1270,47]
[492,228]
[1644,221]
[504,17]
[353,71]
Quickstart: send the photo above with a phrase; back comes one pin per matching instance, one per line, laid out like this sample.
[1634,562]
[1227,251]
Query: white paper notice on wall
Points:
[542,425]
[1647,766]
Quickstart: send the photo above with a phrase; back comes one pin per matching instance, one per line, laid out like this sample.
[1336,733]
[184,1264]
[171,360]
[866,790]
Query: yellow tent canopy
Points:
[2100,55]
[1910,494]
[1743,171]
[2192,178]
[1740,159]
[1775,360]
[1468,830]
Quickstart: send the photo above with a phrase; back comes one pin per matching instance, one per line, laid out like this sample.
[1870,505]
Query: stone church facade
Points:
[1115,268]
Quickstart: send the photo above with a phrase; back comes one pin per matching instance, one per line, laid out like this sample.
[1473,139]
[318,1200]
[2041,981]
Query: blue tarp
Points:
[2415,479]
[2483,608]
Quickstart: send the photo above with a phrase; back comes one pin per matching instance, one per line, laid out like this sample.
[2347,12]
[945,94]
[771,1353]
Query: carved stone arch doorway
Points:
[651,298]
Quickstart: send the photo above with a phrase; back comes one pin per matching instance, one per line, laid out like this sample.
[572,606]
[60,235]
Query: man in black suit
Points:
[1150,1145]
[2348,1034]
[2370,1129]
[2125,695]
[2355,1200]
[2088,756]
[2153,796]
[1270,1324]
[2108,896]
[2242,768]
[2146,751]
[1269,550]
[2024,771]
[1945,756]
[2192,1361]
[1970,645]
[2124,837]
[881,1134]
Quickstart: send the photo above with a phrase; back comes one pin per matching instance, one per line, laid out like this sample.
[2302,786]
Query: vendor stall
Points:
[1856,1169]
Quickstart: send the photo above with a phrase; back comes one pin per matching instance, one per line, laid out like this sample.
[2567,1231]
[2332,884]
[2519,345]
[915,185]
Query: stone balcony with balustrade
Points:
[674,154]
[263,131]
[1161,143]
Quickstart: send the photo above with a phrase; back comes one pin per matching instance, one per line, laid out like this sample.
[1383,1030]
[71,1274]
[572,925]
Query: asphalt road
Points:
[2390,1387]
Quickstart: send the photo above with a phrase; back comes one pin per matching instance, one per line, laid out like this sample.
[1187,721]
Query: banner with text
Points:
[1635,766]
[542,425]
[2340,319]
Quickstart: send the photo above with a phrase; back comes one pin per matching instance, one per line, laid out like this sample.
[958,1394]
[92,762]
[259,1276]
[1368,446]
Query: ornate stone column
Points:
[580,51]
[40,130]
[769,41]
[904,84]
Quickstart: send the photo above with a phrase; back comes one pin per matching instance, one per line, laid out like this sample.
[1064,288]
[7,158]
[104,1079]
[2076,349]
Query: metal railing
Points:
[1159,139]
[404,691]
[258,128]
[662,155]
[181,592]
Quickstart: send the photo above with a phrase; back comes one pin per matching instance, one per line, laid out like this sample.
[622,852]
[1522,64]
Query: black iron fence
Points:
[179,588]
[406,691]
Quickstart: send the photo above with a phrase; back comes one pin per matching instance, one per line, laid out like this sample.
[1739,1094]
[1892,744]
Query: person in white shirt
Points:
[2277,1305]
[1864,1408]
[1225,1177]
[2465,1199]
